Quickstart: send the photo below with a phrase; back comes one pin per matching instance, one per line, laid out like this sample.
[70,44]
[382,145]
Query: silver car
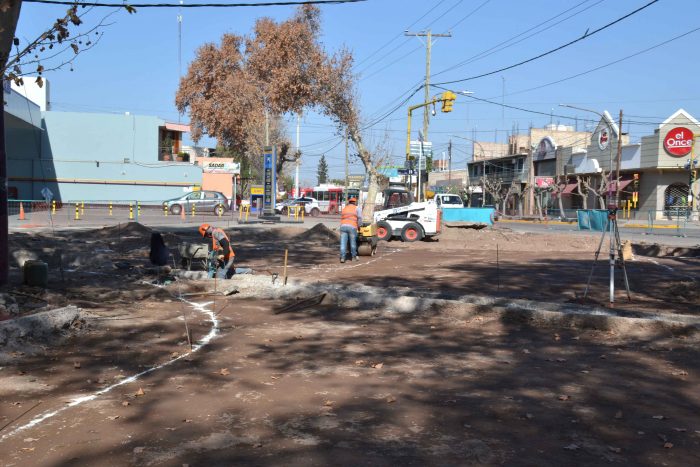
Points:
[203,201]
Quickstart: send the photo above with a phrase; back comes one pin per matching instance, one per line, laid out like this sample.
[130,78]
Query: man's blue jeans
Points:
[348,232]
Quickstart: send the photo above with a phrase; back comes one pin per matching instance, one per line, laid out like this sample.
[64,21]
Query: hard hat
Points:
[352,200]
[203,229]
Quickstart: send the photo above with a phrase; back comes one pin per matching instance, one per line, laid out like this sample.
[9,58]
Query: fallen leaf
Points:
[668,445]
[187,420]
[377,365]
[76,364]
[390,400]
[140,392]
[328,403]
[564,397]
[126,403]
[114,417]
[174,355]
[360,362]
[618,414]
[572,447]
[27,449]
[30,440]
[224,372]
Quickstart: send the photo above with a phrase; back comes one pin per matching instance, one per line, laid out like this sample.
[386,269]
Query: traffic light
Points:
[448,99]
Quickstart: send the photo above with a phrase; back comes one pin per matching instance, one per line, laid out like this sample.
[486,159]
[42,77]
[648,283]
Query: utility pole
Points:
[179,50]
[449,163]
[428,34]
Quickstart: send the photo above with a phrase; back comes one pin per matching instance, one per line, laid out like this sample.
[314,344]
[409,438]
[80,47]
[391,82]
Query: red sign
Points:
[678,142]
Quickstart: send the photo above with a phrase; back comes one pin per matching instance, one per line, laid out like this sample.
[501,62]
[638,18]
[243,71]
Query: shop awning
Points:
[623,184]
[568,189]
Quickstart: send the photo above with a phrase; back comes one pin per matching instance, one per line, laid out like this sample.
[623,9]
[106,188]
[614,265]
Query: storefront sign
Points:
[269,180]
[678,142]
[603,138]
[221,167]
[257,190]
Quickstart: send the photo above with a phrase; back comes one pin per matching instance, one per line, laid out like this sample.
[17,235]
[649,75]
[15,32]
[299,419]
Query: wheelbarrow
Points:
[194,253]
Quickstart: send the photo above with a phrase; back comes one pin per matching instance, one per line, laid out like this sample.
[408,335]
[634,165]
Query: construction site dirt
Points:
[475,349]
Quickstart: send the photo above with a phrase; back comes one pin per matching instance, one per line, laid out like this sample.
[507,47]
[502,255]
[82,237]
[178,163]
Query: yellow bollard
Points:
[110,208]
[193,210]
[131,211]
[138,209]
[53,206]
[247,212]
[77,212]
[82,209]
[165,210]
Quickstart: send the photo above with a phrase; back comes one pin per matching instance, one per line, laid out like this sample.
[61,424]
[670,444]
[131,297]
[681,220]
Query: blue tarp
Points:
[475,215]
[592,219]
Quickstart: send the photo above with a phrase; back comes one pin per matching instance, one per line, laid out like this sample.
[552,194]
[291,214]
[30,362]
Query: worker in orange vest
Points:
[221,247]
[350,220]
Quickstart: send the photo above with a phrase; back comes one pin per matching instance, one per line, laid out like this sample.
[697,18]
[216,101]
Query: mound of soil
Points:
[317,233]
[132,229]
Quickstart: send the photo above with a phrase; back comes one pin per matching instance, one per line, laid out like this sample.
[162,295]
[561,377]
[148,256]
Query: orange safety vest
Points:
[349,216]
[215,242]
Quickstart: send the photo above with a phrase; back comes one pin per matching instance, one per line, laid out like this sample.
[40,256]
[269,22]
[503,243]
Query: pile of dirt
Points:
[317,233]
[132,229]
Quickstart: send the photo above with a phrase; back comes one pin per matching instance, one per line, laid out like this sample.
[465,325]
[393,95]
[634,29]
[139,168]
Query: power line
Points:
[586,35]
[199,5]
[608,64]
[496,48]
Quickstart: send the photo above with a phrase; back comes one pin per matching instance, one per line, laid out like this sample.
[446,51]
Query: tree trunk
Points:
[373,186]
[9,15]
[560,200]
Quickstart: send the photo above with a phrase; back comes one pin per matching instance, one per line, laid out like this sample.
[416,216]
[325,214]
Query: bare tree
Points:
[598,185]
[494,187]
[557,189]
[583,189]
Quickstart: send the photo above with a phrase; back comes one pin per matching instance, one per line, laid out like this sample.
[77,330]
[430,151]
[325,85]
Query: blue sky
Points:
[135,65]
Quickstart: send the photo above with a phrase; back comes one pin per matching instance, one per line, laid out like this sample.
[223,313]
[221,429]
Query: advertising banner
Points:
[269,180]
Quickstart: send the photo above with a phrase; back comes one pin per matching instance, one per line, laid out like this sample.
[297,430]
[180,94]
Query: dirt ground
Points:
[265,382]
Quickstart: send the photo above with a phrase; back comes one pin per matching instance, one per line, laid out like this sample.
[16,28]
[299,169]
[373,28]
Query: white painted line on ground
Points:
[201,307]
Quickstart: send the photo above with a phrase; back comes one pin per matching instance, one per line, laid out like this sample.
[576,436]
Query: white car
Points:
[447,201]
[311,206]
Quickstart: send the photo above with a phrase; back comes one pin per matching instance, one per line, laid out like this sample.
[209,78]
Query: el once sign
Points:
[678,142]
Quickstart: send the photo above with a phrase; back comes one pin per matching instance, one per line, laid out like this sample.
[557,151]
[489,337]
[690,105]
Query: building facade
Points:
[91,156]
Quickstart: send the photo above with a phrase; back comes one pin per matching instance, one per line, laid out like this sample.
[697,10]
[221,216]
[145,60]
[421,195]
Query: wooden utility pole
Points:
[449,163]
[428,34]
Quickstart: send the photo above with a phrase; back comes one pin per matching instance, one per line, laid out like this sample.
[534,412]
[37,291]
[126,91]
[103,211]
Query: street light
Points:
[611,218]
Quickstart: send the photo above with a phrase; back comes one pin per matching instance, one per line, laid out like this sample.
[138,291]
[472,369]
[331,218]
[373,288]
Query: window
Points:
[210,195]
[676,197]
[193,196]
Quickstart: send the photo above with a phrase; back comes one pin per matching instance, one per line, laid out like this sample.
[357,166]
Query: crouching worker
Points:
[221,247]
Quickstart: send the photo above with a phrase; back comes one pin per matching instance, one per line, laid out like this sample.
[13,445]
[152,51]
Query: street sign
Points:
[406,172]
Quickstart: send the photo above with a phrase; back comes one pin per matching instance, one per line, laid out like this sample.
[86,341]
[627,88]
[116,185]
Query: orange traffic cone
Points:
[21,212]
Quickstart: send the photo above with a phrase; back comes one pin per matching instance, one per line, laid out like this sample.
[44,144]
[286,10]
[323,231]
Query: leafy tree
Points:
[280,68]
[322,171]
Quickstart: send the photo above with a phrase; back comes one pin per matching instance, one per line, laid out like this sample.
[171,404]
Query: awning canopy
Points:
[623,184]
[177,127]
[569,188]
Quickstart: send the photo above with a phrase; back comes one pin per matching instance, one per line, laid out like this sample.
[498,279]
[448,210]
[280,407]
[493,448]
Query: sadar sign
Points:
[221,167]
[678,142]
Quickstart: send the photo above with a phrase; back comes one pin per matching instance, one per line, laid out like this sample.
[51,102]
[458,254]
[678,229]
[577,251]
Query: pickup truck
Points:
[448,201]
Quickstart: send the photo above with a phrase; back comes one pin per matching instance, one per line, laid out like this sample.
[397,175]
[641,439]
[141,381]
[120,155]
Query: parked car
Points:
[447,201]
[203,201]
[311,206]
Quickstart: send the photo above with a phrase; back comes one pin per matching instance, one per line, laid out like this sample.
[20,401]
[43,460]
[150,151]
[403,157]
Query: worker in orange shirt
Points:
[350,220]
[221,247]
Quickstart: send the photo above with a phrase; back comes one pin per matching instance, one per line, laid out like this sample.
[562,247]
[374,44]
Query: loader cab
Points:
[396,196]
